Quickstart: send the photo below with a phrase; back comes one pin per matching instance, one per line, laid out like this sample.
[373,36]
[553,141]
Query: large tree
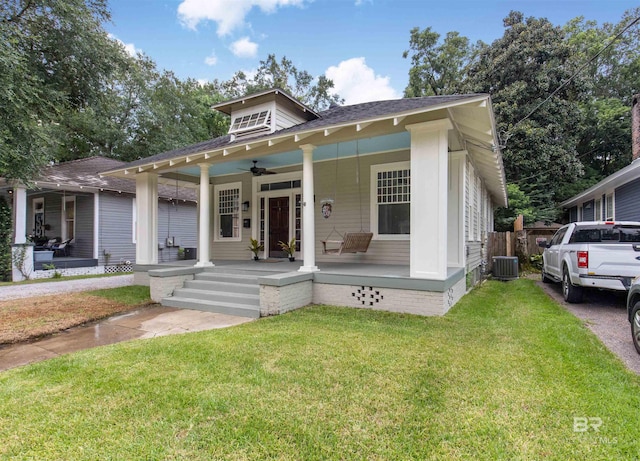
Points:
[55,58]
[436,67]
[612,75]
[274,73]
[562,116]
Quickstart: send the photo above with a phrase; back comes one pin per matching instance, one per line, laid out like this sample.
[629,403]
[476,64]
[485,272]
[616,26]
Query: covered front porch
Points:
[283,287]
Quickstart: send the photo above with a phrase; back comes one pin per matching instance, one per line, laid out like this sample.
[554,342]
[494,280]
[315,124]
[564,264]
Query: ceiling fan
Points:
[258,171]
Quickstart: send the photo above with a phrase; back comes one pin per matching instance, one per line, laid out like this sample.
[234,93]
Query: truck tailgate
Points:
[613,259]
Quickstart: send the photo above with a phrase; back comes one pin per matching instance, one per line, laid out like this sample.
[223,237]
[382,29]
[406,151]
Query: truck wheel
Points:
[545,279]
[571,293]
[635,326]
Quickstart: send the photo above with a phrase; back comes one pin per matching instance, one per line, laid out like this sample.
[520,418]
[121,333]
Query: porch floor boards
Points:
[333,268]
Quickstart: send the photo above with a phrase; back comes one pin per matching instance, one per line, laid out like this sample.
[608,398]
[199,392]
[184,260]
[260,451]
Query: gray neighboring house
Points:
[71,201]
[616,197]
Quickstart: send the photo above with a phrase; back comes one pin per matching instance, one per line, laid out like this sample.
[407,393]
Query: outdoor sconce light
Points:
[245,206]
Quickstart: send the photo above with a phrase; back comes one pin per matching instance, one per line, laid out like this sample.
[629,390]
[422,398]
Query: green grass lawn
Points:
[502,376]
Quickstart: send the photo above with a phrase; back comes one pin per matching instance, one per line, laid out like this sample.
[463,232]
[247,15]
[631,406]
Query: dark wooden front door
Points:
[278,225]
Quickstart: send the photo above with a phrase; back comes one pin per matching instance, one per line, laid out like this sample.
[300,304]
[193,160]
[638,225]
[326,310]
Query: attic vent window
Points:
[251,121]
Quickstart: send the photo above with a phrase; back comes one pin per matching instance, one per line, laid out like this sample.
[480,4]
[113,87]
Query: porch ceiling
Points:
[471,115]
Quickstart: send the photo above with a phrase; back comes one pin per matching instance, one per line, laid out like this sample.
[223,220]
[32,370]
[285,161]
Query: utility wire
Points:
[593,58]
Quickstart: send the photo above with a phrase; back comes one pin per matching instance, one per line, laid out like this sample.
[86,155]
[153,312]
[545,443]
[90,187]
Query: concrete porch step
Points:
[221,292]
[221,296]
[241,310]
[243,288]
[227,278]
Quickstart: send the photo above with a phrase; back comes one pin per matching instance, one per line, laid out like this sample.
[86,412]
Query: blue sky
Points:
[357,43]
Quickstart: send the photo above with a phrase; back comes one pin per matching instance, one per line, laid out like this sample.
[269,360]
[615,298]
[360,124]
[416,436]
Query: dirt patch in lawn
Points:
[30,318]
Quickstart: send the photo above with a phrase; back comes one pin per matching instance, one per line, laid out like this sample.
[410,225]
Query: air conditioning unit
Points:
[505,267]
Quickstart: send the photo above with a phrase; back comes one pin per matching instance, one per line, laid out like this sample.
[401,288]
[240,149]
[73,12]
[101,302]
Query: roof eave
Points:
[605,184]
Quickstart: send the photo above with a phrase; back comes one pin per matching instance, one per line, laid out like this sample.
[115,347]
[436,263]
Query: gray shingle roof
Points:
[85,172]
[333,116]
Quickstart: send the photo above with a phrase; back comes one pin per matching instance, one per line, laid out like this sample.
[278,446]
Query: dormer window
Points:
[255,122]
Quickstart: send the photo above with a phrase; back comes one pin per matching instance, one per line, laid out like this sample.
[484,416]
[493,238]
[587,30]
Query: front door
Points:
[278,225]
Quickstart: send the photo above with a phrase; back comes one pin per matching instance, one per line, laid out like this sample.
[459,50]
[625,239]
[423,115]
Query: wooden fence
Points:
[499,244]
[522,243]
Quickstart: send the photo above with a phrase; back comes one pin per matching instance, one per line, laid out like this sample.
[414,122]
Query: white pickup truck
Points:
[604,255]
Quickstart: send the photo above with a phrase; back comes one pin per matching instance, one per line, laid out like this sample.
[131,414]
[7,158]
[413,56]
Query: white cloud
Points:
[211,60]
[229,15]
[244,48]
[128,47]
[356,82]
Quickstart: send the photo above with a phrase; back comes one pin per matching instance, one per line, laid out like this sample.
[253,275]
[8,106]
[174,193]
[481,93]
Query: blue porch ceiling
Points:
[326,152]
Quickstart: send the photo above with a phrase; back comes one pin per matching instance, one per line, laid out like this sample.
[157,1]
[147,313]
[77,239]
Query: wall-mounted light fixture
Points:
[245,206]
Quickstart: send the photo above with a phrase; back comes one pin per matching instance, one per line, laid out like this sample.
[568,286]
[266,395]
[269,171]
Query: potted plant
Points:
[289,248]
[256,247]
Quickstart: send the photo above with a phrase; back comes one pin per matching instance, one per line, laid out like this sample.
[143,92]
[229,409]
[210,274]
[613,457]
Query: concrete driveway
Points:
[605,314]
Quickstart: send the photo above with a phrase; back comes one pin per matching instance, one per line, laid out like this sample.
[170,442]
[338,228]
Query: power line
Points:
[593,58]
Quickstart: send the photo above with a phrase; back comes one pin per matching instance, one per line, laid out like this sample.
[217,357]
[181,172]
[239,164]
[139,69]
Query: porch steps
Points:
[221,292]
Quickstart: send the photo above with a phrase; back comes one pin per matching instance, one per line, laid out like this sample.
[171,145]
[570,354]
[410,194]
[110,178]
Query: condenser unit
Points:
[505,267]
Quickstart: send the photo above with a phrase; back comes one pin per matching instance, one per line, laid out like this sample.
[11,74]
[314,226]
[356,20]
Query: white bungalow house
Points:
[420,177]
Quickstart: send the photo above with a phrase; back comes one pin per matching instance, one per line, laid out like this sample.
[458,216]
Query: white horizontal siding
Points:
[286,118]
[351,202]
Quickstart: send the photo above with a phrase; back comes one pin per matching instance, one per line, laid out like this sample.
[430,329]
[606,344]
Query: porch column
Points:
[204,218]
[455,227]
[308,214]
[147,218]
[96,225]
[429,202]
[20,214]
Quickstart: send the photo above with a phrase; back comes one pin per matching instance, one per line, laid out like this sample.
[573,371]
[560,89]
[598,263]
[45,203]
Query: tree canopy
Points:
[563,118]
[272,73]
[69,90]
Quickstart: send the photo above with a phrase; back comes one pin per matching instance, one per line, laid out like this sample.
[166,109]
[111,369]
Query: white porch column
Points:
[455,227]
[308,212]
[96,225]
[429,202]
[204,218]
[147,218]
[20,214]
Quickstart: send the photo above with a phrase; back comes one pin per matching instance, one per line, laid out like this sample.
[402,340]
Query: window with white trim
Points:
[391,200]
[69,213]
[609,214]
[250,122]
[227,208]
[597,211]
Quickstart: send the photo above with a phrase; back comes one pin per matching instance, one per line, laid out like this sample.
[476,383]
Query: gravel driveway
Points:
[63,286]
[604,313]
